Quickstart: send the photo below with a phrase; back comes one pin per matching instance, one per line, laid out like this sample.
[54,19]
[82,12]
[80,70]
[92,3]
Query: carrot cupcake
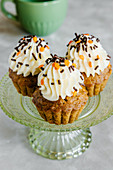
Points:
[26,61]
[60,96]
[86,52]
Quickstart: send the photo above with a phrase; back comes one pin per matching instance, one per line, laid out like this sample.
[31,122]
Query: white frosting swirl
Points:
[59,82]
[30,53]
[90,57]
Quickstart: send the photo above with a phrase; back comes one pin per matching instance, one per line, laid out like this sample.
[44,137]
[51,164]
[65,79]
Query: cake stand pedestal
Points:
[56,141]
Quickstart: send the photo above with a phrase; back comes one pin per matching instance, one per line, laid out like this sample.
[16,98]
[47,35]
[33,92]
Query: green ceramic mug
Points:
[39,17]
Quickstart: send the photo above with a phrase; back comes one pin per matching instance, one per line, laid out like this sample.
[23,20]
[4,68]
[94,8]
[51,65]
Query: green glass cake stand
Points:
[56,141]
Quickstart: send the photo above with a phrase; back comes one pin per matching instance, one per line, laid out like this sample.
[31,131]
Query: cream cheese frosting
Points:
[88,54]
[29,55]
[59,78]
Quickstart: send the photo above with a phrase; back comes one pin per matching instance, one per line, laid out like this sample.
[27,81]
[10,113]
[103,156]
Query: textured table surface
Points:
[94,17]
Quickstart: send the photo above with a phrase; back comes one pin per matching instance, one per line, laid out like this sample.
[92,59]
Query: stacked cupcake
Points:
[60,86]
[91,60]
[26,62]
[61,95]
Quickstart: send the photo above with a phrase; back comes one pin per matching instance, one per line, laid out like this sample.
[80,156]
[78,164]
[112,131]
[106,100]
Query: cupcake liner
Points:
[61,111]
[24,85]
[95,85]
[76,113]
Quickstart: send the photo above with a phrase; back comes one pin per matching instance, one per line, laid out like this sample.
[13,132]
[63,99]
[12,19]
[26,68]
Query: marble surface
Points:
[90,16]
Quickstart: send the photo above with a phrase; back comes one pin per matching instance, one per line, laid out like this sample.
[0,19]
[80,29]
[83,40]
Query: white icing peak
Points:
[59,78]
[88,54]
[29,55]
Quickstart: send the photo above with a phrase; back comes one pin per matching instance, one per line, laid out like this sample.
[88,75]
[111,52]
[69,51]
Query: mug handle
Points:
[6,13]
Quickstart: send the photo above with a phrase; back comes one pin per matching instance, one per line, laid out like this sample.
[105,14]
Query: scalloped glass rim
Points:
[101,113]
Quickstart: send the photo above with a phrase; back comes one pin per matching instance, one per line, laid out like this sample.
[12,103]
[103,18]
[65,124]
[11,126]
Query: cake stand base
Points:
[60,145]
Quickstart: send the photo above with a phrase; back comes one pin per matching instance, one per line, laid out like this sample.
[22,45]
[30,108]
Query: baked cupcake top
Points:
[59,78]
[29,55]
[88,54]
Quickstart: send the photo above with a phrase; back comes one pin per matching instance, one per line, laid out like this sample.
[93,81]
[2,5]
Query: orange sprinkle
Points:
[86,34]
[42,39]
[109,64]
[74,65]
[40,66]
[81,57]
[53,64]
[90,64]
[42,49]
[42,81]
[70,42]
[67,62]
[74,93]
[98,57]
[57,66]
[18,53]
[78,41]
[35,39]
[23,38]
[47,46]
[90,41]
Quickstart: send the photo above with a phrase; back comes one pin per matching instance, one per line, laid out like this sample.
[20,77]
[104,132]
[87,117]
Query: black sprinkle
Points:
[95,46]
[67,45]
[24,51]
[16,48]
[108,56]
[13,59]
[39,86]
[51,55]
[96,59]
[108,59]
[14,54]
[72,47]
[45,75]
[62,71]
[34,56]
[89,55]
[27,65]
[29,47]
[71,68]
[17,65]
[74,88]
[96,67]
[72,61]
[97,40]
[20,63]
[48,61]
[47,43]
[91,48]
[81,77]
[40,55]
[37,48]
[40,44]
[83,47]
[86,49]
[42,68]
[67,53]
[59,82]
[81,84]
[52,83]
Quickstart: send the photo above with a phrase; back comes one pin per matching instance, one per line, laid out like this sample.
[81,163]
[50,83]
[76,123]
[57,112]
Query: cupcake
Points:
[26,61]
[86,52]
[60,96]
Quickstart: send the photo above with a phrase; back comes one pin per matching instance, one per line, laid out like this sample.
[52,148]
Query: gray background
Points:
[84,16]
